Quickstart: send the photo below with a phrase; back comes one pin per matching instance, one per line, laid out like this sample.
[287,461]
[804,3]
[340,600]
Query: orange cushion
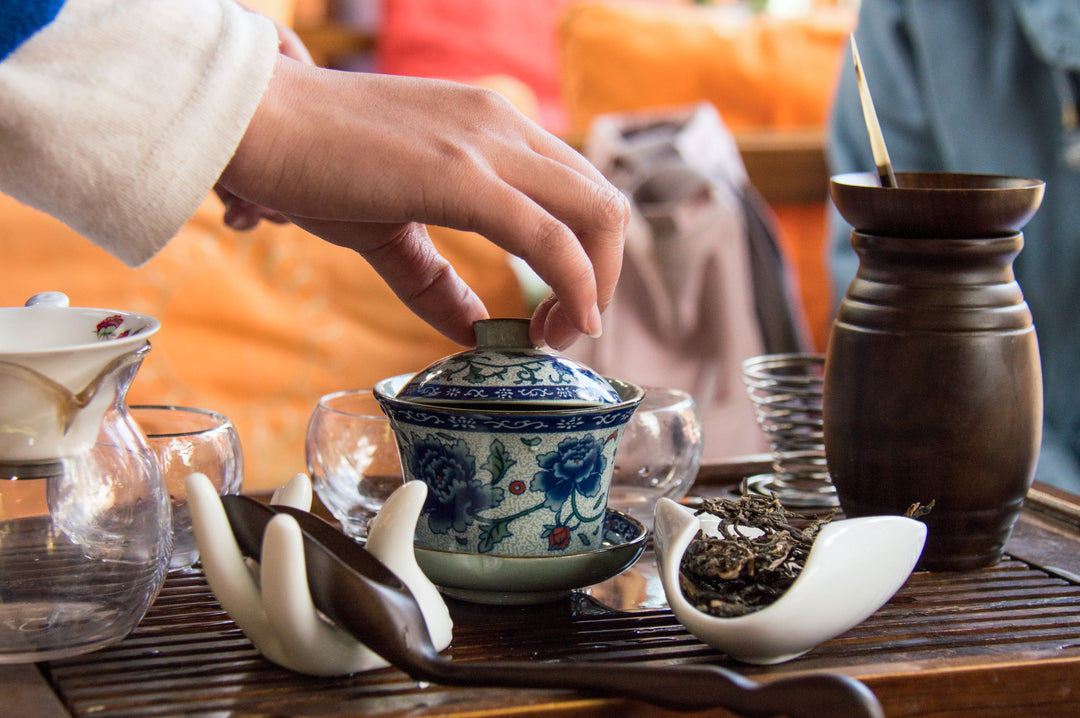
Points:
[256,325]
[759,70]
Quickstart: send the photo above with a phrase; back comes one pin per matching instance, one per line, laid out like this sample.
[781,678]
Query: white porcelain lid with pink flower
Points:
[506,368]
[61,368]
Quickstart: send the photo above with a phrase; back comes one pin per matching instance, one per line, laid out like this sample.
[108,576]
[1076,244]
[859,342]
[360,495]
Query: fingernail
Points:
[595,326]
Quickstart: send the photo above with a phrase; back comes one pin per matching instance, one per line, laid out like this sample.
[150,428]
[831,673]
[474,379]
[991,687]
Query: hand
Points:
[365,160]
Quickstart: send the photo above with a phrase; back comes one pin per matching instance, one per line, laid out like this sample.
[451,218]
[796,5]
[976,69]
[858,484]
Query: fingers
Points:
[548,205]
[352,155]
[243,215]
[290,44]
[551,326]
[588,257]
[408,262]
[568,228]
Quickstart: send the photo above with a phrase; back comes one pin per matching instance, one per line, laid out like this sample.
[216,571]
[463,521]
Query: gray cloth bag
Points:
[703,285]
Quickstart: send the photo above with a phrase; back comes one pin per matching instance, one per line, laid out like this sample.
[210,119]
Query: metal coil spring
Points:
[786,391]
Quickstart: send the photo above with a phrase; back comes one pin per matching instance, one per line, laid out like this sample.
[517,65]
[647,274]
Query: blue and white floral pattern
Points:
[563,503]
[455,495]
[576,467]
[520,423]
[510,483]
[510,376]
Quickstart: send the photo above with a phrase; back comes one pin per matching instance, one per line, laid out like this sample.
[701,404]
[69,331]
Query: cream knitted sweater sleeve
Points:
[119,116]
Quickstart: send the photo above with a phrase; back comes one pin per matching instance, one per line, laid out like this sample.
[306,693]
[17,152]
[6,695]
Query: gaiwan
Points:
[516,445]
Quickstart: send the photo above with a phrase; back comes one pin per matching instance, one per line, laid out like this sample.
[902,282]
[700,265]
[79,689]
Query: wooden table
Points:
[1001,641]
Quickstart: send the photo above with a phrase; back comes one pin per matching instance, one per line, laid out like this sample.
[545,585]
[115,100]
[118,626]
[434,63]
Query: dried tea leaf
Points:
[917,510]
[736,574]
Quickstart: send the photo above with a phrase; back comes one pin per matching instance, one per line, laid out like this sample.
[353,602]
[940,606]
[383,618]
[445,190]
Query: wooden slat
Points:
[981,630]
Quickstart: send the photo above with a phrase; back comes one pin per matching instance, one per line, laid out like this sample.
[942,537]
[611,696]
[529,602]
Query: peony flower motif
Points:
[455,495]
[574,467]
[558,537]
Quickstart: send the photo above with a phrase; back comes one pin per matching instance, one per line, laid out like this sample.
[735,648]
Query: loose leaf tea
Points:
[740,572]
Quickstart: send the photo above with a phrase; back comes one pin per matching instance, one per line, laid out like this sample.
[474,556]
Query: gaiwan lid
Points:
[507,370]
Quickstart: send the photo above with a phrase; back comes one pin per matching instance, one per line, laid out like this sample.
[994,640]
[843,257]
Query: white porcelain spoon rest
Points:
[854,567]
[271,602]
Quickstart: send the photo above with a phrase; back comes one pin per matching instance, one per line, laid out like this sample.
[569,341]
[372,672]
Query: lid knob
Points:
[503,334]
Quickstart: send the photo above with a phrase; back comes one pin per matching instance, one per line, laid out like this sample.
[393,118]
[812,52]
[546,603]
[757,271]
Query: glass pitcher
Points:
[84,515]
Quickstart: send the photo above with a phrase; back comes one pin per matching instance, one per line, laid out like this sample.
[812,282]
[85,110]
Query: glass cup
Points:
[659,454]
[185,440]
[352,458]
[787,392]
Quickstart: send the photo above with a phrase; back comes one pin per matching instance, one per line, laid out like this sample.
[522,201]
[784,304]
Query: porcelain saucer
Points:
[520,580]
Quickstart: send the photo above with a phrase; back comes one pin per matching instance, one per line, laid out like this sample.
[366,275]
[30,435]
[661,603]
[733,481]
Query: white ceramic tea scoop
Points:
[271,602]
[854,567]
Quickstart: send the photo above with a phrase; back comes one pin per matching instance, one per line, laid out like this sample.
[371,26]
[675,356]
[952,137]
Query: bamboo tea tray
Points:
[1001,641]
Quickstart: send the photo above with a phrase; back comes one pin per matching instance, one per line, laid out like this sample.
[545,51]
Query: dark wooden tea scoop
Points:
[361,595]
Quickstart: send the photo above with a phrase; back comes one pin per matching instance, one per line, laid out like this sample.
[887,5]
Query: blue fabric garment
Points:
[19,19]
[985,86]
